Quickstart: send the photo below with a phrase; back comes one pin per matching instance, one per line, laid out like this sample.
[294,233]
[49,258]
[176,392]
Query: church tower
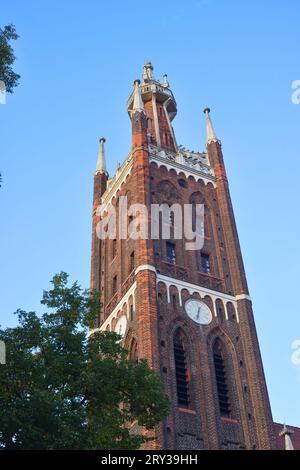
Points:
[188,312]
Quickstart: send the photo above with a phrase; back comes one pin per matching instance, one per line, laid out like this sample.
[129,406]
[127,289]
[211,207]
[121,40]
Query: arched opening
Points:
[231,312]
[220,310]
[221,378]
[134,350]
[183,372]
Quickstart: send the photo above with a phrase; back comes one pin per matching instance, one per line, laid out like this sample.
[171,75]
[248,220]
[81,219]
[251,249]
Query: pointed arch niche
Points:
[182,369]
[225,380]
[221,377]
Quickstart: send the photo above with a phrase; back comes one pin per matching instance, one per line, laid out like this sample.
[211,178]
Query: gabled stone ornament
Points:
[210,132]
[101,164]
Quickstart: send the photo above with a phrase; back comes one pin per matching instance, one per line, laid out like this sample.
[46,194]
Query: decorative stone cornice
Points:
[191,288]
[145,267]
[243,297]
[187,162]
[119,307]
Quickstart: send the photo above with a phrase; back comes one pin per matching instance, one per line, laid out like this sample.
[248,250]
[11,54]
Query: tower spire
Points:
[101,164]
[210,132]
[138,104]
[286,433]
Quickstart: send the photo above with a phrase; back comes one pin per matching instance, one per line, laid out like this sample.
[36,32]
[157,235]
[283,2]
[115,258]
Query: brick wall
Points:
[200,426]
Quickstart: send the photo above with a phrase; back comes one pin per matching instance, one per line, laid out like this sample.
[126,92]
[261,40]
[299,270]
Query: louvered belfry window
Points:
[221,378]
[182,371]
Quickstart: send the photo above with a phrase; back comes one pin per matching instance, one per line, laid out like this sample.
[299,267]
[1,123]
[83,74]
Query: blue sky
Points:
[78,61]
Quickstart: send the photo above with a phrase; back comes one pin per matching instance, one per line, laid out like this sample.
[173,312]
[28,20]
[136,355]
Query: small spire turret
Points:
[210,132]
[101,163]
[138,104]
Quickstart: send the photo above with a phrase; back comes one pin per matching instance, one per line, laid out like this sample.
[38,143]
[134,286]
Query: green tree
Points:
[7,58]
[61,389]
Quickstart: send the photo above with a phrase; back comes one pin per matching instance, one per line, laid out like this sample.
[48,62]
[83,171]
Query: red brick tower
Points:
[188,312]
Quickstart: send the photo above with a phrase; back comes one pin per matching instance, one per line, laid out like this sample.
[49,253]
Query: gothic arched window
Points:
[183,374]
[221,378]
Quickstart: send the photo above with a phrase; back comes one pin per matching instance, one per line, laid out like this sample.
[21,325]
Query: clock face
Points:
[121,325]
[198,311]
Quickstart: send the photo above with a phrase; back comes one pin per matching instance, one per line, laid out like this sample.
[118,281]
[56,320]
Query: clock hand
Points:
[198,313]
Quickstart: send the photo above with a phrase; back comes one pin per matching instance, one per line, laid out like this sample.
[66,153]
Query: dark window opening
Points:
[204,263]
[182,183]
[114,248]
[115,284]
[170,253]
[182,375]
[131,313]
[131,262]
[221,379]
